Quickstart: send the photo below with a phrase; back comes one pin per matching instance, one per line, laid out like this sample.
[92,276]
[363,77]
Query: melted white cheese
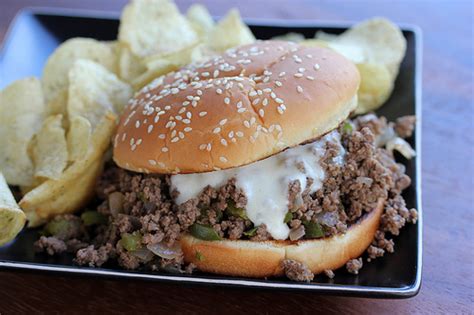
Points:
[265,182]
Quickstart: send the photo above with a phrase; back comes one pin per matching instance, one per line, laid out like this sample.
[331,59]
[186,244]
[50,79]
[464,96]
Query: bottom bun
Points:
[264,259]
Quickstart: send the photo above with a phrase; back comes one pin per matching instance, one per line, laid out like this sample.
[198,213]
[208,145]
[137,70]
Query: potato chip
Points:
[57,105]
[376,85]
[78,137]
[93,91]
[314,43]
[12,219]
[200,19]
[129,66]
[55,73]
[49,149]
[290,37]
[151,27]
[75,187]
[21,115]
[163,64]
[230,32]
[375,41]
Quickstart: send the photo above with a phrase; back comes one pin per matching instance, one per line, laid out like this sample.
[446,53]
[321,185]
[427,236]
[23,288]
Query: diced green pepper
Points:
[204,232]
[131,242]
[236,212]
[288,217]
[347,127]
[199,256]
[251,232]
[93,218]
[57,227]
[313,229]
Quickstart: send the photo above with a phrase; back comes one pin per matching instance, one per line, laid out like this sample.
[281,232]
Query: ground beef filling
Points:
[141,207]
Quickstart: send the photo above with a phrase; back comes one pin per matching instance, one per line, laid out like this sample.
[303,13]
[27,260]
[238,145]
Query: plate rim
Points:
[336,289]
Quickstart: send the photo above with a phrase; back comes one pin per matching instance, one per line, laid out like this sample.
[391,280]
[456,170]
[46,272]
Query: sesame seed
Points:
[227,100]
[182,110]
[164,149]
[162,136]
[167,107]
[233,140]
[279,100]
[202,114]
[186,103]
[278,83]
[252,120]
[222,122]
[152,162]
[173,133]
[282,74]
[217,130]
[231,134]
[124,136]
[239,134]
[267,90]
[224,142]
[265,102]
[219,91]
[256,101]
[309,56]
[209,147]
[246,124]
[239,104]
[137,124]
[174,91]
[189,115]
[316,66]
[261,112]
[175,139]
[161,164]
[168,124]
[186,121]
[299,89]
[253,93]
[190,97]
[310,78]
[216,73]
[273,95]
[202,146]
[223,159]
[181,134]
[301,70]
[241,110]
[188,129]
[298,75]
[150,128]
[178,117]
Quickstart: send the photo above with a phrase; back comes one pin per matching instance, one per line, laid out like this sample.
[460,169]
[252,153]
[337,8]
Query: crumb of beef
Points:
[127,223]
[51,245]
[75,244]
[261,234]
[297,271]
[405,125]
[329,273]
[354,265]
[94,257]
[127,260]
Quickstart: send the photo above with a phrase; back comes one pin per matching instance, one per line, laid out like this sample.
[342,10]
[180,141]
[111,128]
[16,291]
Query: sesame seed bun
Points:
[263,259]
[240,107]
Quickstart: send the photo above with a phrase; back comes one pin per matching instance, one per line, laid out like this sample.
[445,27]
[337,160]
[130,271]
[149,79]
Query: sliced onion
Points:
[296,234]
[299,202]
[365,180]
[116,203]
[387,135]
[160,249]
[143,254]
[401,146]
[328,218]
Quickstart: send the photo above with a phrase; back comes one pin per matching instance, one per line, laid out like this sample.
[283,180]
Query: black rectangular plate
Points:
[35,33]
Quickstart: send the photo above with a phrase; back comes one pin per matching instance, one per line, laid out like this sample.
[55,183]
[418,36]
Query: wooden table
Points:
[448,166]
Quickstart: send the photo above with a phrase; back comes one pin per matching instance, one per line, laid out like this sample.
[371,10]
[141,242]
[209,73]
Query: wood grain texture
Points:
[448,181]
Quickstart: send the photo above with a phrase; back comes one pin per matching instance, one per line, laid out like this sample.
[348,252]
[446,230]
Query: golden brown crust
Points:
[263,259]
[241,107]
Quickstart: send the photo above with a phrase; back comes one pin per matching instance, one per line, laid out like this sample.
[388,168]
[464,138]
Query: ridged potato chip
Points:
[152,27]
[377,46]
[49,149]
[75,187]
[22,111]
[12,219]
[230,32]
[55,73]
[376,85]
[200,19]
[93,91]
[78,137]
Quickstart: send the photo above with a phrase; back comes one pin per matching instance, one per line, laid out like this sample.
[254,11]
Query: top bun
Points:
[237,108]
